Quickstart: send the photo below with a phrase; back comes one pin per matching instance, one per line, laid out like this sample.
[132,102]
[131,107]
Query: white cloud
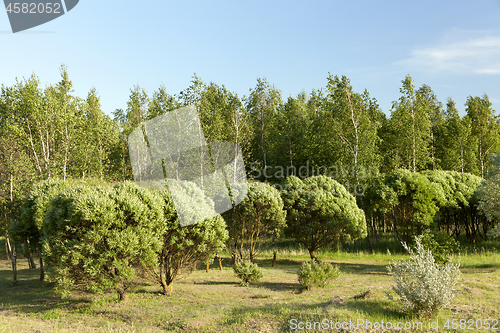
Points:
[477,55]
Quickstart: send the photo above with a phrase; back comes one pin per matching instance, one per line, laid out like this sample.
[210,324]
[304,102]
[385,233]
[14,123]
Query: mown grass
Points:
[215,302]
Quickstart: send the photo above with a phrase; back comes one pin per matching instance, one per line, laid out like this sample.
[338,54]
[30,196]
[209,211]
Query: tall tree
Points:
[352,125]
[484,129]
[456,153]
[161,103]
[137,109]
[224,119]
[427,100]
[263,104]
[97,138]
[63,107]
[290,135]
[412,127]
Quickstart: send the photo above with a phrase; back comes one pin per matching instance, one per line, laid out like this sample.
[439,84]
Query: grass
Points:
[215,302]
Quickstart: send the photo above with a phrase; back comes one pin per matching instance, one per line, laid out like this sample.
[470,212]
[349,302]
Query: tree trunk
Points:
[8,248]
[42,272]
[7,251]
[219,259]
[31,262]
[369,244]
[395,225]
[163,280]
[262,141]
[167,288]
[14,264]
[374,228]
[312,253]
[122,294]
[274,258]
[233,258]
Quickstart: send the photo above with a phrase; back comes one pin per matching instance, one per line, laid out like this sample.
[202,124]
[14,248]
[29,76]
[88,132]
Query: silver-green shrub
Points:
[422,285]
[247,271]
[314,274]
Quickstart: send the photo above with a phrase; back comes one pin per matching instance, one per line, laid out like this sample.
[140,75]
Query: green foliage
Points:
[15,170]
[315,274]
[407,198]
[259,215]
[417,197]
[488,194]
[94,236]
[181,246]
[263,105]
[484,131]
[411,128]
[247,271]
[440,244]
[422,285]
[456,151]
[36,203]
[49,132]
[320,212]
[414,201]
[347,128]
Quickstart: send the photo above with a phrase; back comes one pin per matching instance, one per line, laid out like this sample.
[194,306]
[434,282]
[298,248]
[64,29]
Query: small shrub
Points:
[247,271]
[422,285]
[440,244]
[314,274]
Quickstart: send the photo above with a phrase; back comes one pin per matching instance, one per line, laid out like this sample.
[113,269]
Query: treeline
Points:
[49,132]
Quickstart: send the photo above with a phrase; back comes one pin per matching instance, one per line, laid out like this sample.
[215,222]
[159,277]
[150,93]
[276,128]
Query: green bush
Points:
[37,202]
[259,214]
[247,271]
[440,244]
[314,274]
[92,237]
[422,285]
[321,212]
[183,246]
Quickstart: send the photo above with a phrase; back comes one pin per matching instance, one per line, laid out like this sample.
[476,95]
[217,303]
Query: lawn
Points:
[215,302]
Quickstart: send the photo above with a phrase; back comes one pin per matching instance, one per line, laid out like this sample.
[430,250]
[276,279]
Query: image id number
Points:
[33,8]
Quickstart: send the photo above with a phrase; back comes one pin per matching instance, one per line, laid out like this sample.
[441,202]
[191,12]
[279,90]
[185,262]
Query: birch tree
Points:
[411,127]
[352,124]
[484,129]
[262,104]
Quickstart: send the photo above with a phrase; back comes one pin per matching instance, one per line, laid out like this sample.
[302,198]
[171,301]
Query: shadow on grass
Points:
[362,268]
[278,286]
[216,283]
[494,266]
[282,314]
[32,296]
[290,265]
[262,262]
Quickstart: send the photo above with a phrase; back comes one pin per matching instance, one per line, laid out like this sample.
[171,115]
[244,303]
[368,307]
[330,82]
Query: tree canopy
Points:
[320,212]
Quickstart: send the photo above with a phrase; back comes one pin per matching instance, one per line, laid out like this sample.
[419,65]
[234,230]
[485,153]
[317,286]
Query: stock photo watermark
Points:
[171,149]
[364,324]
[24,15]
[345,175]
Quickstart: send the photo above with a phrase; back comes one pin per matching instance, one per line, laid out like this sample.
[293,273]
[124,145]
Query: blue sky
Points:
[452,46]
